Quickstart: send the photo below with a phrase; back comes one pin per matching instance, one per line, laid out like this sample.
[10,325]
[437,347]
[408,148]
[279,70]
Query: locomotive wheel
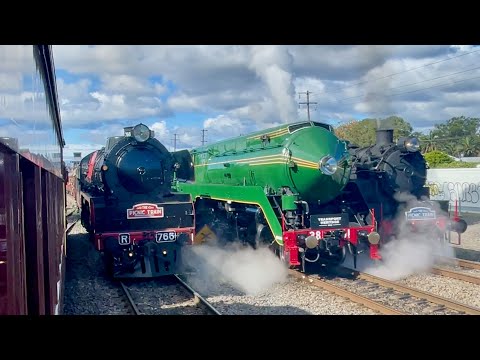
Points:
[91,236]
[338,258]
[263,236]
[91,230]
[108,263]
[83,216]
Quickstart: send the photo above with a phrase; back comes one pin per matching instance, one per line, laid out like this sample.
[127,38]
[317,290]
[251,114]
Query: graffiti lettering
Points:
[468,193]
[434,189]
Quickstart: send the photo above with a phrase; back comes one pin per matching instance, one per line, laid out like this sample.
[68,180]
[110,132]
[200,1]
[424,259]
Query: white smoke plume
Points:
[411,251]
[377,82]
[248,270]
[272,64]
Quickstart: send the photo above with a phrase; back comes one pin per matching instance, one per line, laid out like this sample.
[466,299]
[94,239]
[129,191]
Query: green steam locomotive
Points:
[281,188]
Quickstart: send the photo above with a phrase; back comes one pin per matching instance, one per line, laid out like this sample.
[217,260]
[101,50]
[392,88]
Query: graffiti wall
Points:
[456,184]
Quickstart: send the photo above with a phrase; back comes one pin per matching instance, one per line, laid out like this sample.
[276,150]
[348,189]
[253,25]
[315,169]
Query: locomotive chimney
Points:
[384,137]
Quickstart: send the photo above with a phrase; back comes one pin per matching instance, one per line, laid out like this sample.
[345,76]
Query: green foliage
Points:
[457,127]
[362,132]
[457,136]
[457,164]
[439,160]
[436,158]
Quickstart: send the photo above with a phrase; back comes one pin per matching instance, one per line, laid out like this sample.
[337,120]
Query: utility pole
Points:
[306,103]
[203,136]
[175,142]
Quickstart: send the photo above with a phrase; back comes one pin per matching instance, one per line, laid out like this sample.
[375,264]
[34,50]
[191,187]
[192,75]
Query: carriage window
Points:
[325,126]
[296,127]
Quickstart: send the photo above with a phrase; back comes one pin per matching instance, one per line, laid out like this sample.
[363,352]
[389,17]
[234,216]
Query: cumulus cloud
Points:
[16,58]
[223,126]
[131,85]
[79,105]
[255,86]
[161,131]
[84,149]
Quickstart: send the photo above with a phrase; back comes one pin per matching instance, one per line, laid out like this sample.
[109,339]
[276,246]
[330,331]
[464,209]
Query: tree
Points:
[458,127]
[436,158]
[470,146]
[402,127]
[451,137]
[428,142]
[362,133]
[451,148]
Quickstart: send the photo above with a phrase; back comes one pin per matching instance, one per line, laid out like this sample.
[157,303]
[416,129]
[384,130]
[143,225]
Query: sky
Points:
[230,90]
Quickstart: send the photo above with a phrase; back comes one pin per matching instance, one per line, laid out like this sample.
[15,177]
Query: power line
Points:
[400,72]
[306,103]
[415,83]
[412,91]
[203,136]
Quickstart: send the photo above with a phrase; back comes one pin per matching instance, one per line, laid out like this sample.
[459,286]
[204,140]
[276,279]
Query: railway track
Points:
[70,226]
[459,275]
[197,296]
[456,275]
[71,219]
[371,304]
[385,296]
[468,264]
[139,302]
[441,302]
[131,304]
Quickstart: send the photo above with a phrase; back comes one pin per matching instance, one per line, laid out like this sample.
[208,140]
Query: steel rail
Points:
[130,300]
[197,295]
[456,275]
[420,294]
[385,310]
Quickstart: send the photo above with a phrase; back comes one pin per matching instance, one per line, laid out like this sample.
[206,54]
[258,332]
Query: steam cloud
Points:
[377,81]
[248,270]
[272,64]
[410,252]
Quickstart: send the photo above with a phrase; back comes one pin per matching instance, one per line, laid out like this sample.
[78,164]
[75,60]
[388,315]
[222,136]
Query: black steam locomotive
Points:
[126,202]
[390,178]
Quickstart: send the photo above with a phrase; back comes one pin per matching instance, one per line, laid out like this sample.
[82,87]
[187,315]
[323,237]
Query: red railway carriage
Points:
[32,191]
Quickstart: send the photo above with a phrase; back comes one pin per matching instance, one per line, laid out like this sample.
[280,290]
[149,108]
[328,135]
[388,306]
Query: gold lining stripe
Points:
[275,133]
[278,135]
[266,157]
[265,160]
[271,162]
[283,163]
[304,161]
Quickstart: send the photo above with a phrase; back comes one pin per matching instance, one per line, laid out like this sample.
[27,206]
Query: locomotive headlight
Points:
[328,165]
[141,133]
[412,144]
[374,238]
[311,242]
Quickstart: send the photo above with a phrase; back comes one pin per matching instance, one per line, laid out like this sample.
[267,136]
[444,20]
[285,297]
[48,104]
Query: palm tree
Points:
[470,146]
[450,148]
[429,142]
